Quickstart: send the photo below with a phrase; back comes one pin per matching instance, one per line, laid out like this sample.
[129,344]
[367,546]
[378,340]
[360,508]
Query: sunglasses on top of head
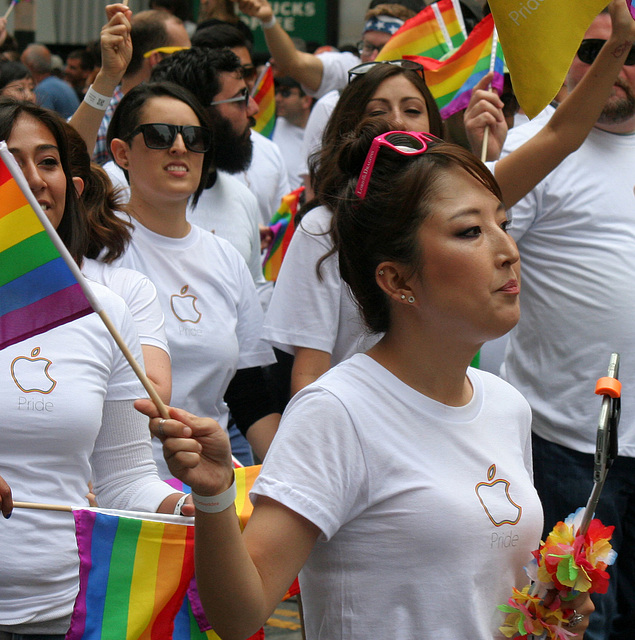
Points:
[158,135]
[590,48]
[365,67]
[405,143]
[242,97]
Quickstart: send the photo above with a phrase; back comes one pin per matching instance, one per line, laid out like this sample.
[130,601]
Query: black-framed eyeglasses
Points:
[590,47]
[158,135]
[367,48]
[242,97]
[365,67]
[405,143]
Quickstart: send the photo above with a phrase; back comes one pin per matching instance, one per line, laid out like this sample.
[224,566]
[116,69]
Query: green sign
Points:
[306,19]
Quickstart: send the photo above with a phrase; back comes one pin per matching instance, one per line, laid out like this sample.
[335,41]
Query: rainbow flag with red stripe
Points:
[282,227]
[265,96]
[451,81]
[134,575]
[422,35]
[38,290]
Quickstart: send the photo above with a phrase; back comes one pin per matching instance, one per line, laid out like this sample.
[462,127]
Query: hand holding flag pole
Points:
[492,63]
[32,203]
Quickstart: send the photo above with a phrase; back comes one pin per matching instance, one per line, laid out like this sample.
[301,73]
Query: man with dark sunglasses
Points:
[266,174]
[576,236]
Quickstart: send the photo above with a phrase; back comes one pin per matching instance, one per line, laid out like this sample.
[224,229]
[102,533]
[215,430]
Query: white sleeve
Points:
[335,72]
[316,465]
[125,474]
[304,309]
[147,314]
[314,130]
[253,350]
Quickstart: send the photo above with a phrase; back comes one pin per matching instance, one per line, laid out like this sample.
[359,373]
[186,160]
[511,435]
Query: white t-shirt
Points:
[213,319]
[427,512]
[308,312]
[315,126]
[335,72]
[576,236]
[289,139]
[266,176]
[139,294]
[230,210]
[54,388]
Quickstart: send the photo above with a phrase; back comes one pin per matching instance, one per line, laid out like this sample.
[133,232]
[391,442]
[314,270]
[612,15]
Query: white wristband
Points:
[216,504]
[179,504]
[269,23]
[96,100]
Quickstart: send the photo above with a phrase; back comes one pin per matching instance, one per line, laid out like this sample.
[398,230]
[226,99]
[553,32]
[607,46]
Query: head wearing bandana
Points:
[385,24]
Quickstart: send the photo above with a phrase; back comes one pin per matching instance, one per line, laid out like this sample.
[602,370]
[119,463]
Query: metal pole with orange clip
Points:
[610,388]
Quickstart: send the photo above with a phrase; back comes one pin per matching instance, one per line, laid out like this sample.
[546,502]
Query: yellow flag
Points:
[539,39]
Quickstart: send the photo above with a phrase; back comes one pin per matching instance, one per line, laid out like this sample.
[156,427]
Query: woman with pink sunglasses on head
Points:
[385,540]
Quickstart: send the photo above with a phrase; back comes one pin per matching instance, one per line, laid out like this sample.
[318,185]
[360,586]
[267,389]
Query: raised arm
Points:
[520,171]
[241,578]
[116,51]
[303,67]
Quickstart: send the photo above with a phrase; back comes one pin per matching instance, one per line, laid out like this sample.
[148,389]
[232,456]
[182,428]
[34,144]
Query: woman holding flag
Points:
[312,314]
[381,484]
[68,416]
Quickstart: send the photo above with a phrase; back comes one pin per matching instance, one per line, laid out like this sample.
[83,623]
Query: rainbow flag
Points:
[265,96]
[38,289]
[422,35]
[451,81]
[540,40]
[133,575]
[283,227]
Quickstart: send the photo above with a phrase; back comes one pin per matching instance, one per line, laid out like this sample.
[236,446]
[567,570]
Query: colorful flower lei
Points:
[565,562]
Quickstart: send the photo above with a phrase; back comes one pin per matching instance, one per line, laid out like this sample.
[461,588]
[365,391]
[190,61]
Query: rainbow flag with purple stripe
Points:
[265,96]
[451,81]
[38,290]
[134,575]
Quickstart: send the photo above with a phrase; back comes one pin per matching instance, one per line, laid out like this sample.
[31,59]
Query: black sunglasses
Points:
[590,48]
[365,67]
[159,135]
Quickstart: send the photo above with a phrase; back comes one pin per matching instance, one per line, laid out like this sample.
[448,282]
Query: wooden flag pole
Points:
[10,9]
[492,63]
[41,507]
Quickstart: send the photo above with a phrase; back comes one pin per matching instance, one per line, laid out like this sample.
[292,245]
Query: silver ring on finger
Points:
[575,619]
[160,427]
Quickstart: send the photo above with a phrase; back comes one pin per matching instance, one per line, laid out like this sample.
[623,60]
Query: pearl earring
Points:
[403,296]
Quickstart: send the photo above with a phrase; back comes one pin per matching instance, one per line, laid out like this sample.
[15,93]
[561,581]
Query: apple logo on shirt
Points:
[183,306]
[495,499]
[31,375]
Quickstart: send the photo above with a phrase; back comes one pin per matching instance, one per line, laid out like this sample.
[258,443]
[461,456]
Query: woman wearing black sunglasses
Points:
[160,138]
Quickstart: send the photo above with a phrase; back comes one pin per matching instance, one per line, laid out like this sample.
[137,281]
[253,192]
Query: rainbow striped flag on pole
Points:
[422,35]
[134,574]
[137,573]
[282,226]
[265,96]
[451,81]
[40,284]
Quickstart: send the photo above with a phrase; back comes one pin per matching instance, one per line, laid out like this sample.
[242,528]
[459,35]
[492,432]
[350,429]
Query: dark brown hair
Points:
[384,225]
[73,228]
[108,234]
